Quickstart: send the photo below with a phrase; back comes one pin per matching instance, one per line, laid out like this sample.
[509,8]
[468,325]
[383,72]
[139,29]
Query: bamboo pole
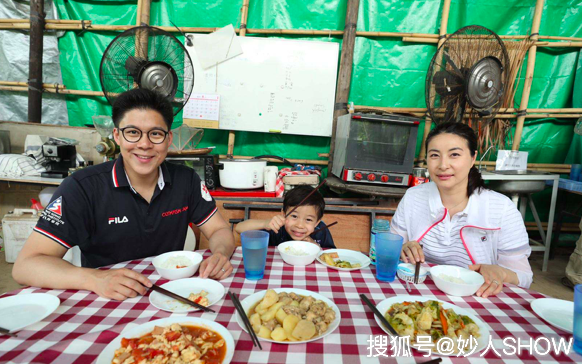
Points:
[231,136]
[416,111]
[296,32]
[44,85]
[48,26]
[141,37]
[300,161]
[531,61]
[13,88]
[501,111]
[23,24]
[50,21]
[67,24]
[145,11]
[442,35]
[559,44]
[138,15]
[53,91]
[361,33]
[75,92]
[539,44]
[344,79]
[564,110]
[244,13]
[420,40]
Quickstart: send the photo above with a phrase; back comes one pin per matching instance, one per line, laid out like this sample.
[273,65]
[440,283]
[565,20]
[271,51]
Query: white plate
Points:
[351,256]
[482,341]
[558,313]
[17,312]
[184,287]
[253,299]
[107,354]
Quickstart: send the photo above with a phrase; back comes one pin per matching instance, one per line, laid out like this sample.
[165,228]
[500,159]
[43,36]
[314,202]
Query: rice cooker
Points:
[241,174]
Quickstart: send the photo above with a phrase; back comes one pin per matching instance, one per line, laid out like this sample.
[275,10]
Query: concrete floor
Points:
[547,283]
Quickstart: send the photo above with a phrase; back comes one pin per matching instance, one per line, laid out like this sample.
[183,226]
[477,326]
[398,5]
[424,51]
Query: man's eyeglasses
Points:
[133,135]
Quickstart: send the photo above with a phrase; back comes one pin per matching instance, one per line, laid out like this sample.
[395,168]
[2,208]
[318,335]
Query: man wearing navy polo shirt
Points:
[134,207]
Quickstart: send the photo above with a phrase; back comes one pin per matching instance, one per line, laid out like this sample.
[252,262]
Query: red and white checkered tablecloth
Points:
[84,323]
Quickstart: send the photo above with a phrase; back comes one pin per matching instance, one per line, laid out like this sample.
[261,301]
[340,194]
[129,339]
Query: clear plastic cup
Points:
[388,247]
[254,247]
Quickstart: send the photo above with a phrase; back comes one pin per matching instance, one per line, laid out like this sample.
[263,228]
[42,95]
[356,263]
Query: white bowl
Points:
[311,249]
[473,280]
[405,272]
[177,273]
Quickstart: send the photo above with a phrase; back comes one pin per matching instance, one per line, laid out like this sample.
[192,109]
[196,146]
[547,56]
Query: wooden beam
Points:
[299,161]
[35,61]
[442,35]
[345,70]
[531,62]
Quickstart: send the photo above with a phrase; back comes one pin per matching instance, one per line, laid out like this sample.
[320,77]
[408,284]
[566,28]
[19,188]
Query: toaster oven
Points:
[375,149]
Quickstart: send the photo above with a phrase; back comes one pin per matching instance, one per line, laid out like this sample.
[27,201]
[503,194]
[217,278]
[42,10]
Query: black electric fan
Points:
[150,58]
[468,74]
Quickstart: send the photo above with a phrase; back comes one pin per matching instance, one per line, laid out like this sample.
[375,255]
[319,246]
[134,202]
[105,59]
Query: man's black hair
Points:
[141,98]
[294,197]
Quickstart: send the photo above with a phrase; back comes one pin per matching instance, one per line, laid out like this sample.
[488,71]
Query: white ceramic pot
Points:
[241,174]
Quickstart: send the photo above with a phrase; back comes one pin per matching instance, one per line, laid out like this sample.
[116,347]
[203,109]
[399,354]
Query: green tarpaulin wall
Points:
[386,71]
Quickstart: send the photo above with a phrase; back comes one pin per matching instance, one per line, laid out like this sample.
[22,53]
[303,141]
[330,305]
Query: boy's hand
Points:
[275,223]
[310,240]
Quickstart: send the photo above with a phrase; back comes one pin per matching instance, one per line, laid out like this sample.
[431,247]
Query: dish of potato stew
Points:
[291,315]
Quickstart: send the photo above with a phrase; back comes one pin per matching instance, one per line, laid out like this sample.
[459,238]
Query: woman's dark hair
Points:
[466,132]
[296,195]
[140,98]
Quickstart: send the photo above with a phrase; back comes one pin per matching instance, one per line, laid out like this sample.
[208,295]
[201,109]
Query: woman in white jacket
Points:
[455,220]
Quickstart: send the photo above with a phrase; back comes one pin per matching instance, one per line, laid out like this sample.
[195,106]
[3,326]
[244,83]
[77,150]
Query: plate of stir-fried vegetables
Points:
[415,316]
[343,259]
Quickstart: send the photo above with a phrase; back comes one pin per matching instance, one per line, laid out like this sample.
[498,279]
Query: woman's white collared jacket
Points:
[493,231]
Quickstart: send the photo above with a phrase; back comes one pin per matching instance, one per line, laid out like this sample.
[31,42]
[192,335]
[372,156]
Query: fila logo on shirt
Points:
[53,213]
[118,220]
[56,206]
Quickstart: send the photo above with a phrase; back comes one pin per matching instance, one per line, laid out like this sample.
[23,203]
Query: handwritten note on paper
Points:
[202,107]
[511,160]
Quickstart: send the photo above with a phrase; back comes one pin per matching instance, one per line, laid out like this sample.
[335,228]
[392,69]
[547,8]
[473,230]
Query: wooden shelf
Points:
[340,186]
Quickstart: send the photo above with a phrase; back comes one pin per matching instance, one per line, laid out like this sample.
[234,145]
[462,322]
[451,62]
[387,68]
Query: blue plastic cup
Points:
[388,247]
[578,319]
[576,172]
[254,247]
